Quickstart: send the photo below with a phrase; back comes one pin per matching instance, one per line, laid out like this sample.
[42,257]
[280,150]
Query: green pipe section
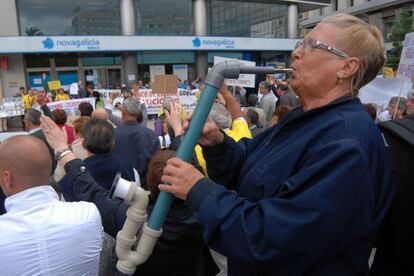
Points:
[185,152]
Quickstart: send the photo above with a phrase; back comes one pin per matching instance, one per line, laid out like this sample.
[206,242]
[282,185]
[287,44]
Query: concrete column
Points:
[200,29]
[293,21]
[129,59]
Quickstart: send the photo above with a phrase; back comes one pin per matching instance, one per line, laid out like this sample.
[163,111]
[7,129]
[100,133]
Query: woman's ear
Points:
[349,68]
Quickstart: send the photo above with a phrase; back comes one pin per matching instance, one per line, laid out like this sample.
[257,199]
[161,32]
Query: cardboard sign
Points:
[54,85]
[165,84]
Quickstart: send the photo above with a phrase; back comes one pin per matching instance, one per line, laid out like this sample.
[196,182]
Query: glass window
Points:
[102,17]
[247,19]
[74,17]
[37,61]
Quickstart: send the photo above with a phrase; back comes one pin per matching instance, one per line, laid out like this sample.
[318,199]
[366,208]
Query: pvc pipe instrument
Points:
[152,230]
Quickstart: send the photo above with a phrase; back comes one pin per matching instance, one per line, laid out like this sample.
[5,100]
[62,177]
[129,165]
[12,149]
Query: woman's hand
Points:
[174,118]
[56,138]
[180,176]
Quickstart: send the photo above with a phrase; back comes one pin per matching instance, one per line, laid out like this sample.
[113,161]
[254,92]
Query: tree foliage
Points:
[399,29]
[33,31]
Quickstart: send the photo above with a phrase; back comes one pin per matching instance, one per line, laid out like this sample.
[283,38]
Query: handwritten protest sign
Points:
[54,85]
[406,67]
[70,106]
[154,101]
[244,80]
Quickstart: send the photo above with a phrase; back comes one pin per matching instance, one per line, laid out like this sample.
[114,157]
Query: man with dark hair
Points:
[40,234]
[253,121]
[85,109]
[98,140]
[286,97]
[135,142]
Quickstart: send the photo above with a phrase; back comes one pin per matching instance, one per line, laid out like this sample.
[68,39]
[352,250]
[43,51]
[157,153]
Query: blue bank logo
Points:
[214,43]
[196,42]
[48,43]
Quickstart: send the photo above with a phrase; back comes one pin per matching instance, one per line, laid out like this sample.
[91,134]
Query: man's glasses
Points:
[310,44]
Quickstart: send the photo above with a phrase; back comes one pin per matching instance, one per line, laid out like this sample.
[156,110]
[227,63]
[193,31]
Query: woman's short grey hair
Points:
[363,41]
[221,116]
[131,106]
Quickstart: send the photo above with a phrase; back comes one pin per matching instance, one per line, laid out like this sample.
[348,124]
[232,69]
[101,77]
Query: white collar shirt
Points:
[40,235]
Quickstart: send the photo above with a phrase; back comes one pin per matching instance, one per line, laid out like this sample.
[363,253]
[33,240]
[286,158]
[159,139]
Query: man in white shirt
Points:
[40,235]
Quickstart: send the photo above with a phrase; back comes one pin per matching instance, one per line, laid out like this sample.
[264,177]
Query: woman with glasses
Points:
[306,196]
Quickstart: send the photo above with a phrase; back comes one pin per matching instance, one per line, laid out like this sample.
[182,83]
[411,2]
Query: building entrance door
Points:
[104,77]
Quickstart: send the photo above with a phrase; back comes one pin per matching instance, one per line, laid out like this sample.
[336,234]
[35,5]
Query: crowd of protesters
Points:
[291,180]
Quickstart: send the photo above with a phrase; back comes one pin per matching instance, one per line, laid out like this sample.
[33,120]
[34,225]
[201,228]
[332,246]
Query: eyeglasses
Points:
[310,44]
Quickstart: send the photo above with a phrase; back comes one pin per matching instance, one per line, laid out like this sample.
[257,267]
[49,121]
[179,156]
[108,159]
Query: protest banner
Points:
[380,90]
[154,101]
[54,85]
[11,106]
[244,80]
[70,106]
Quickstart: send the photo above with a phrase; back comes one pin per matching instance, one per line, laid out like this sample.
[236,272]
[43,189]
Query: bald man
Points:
[102,114]
[40,235]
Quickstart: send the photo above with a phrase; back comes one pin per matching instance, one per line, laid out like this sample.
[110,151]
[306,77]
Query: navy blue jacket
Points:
[311,193]
[103,168]
[138,144]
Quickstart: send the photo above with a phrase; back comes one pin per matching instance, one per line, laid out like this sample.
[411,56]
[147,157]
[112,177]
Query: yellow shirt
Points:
[239,129]
[62,97]
[28,101]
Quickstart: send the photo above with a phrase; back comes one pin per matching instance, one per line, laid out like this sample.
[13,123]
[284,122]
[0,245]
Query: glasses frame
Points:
[316,44]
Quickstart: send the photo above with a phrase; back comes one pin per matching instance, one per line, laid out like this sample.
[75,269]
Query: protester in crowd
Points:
[60,119]
[102,163]
[197,83]
[253,121]
[396,108]
[61,96]
[286,97]
[240,94]
[252,100]
[310,192]
[81,90]
[164,138]
[372,111]
[78,150]
[142,117]
[39,235]
[393,109]
[21,92]
[279,113]
[102,114]
[268,100]
[29,99]
[135,142]
[99,103]
[32,125]
[89,90]
[410,103]
[230,120]
[394,243]
[125,92]
[85,109]
[177,251]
